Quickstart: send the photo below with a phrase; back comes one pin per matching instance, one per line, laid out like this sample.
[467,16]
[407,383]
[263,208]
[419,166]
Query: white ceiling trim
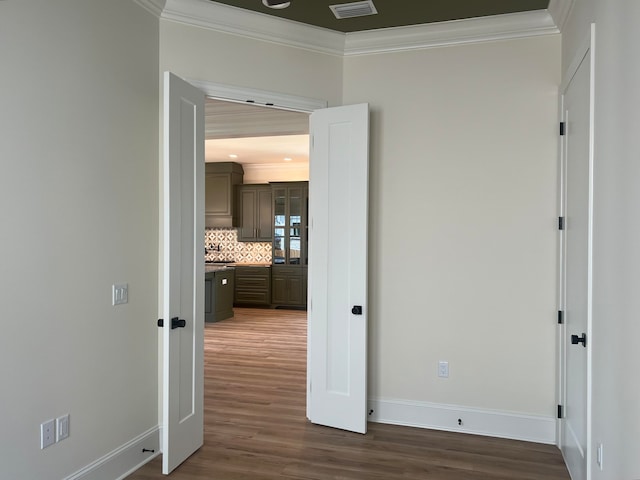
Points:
[559,10]
[153,6]
[457,32]
[237,21]
[271,167]
[259,26]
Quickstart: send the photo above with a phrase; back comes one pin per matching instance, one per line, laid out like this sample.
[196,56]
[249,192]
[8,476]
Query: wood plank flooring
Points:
[256,427]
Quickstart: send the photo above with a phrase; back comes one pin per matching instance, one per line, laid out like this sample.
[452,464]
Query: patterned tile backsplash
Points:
[233,250]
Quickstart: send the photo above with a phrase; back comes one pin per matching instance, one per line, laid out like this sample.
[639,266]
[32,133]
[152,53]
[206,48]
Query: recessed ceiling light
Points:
[275,4]
[287,159]
[233,155]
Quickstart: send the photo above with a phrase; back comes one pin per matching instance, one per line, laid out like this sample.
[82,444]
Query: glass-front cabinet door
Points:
[295,231]
[290,223]
[280,226]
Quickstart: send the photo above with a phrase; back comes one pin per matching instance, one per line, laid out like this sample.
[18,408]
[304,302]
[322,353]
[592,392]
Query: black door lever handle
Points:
[177,323]
[575,339]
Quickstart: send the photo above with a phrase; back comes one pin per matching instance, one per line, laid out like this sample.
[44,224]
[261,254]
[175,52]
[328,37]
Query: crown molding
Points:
[457,32]
[259,26]
[154,7]
[269,167]
[559,11]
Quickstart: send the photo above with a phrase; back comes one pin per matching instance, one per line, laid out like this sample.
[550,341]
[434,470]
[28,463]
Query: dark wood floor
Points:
[255,424]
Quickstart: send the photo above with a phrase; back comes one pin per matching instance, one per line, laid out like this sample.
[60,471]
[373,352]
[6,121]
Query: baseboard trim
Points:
[530,428]
[124,460]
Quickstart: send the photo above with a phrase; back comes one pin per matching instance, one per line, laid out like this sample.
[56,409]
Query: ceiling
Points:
[391,13]
[257,135]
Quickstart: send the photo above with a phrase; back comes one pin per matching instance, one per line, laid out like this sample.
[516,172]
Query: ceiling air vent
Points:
[355,9]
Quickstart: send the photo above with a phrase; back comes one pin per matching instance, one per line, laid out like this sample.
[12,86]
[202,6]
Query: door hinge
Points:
[560,223]
[562,128]
[560,411]
[560,317]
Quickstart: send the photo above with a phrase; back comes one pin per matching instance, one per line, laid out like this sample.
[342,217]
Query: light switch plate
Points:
[62,427]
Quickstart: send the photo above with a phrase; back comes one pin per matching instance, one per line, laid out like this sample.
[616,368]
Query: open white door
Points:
[183,271]
[577,195]
[338,219]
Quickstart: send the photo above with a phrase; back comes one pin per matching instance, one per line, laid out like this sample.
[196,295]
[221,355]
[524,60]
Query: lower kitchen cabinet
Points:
[218,295]
[288,286]
[253,286]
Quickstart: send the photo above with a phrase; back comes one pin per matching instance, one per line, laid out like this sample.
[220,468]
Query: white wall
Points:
[202,54]
[78,189]
[463,201]
[616,267]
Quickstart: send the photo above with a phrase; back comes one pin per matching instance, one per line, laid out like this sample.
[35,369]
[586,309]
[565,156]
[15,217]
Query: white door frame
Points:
[261,98]
[587,47]
[265,99]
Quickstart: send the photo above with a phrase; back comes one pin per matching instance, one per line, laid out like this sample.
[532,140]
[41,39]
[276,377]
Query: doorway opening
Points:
[271,146]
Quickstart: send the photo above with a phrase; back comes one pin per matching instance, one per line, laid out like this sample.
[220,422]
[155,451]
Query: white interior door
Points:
[183,271]
[578,212]
[337,310]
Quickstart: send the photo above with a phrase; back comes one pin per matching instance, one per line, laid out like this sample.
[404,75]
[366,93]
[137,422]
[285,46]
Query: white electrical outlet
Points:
[119,293]
[62,427]
[443,369]
[47,433]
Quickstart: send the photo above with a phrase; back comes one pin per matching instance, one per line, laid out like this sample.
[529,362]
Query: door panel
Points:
[338,210]
[183,271]
[578,212]
[264,215]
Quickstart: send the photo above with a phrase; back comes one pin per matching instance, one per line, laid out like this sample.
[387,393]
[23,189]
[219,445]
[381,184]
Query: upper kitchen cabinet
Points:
[220,179]
[256,213]
[290,212]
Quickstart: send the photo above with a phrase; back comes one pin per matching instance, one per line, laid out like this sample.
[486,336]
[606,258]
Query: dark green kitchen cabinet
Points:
[253,286]
[218,294]
[290,211]
[290,239]
[220,199]
[288,286]
[255,209]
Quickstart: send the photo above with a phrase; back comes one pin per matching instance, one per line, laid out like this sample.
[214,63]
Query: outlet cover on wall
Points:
[47,433]
[443,369]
